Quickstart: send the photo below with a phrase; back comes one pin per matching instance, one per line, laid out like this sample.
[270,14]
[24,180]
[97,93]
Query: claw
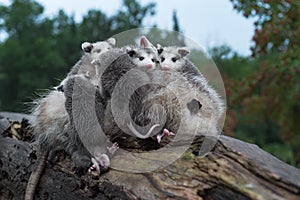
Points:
[95,166]
[159,137]
[112,150]
[166,132]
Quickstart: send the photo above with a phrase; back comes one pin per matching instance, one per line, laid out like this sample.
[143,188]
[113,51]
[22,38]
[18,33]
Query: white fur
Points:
[100,47]
[97,48]
[149,60]
[168,54]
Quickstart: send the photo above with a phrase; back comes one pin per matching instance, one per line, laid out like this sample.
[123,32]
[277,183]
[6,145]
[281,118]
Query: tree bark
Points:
[232,170]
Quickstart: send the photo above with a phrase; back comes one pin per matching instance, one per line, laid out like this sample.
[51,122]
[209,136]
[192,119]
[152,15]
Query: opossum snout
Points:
[166,67]
[149,66]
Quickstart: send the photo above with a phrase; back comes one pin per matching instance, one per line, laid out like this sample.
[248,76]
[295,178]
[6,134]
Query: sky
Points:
[209,23]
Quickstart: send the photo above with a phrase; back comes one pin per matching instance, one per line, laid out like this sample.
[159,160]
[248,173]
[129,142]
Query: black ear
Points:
[87,47]
[194,106]
[159,49]
[131,52]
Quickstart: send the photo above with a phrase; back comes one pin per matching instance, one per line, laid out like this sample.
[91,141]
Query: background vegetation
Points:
[262,90]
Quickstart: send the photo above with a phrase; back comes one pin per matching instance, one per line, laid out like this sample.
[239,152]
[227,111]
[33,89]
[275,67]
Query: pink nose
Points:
[166,67]
[148,66]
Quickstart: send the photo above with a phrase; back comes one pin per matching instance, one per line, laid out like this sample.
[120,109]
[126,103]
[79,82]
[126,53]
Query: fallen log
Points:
[232,170]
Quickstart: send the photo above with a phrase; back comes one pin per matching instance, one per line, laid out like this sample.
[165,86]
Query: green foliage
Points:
[269,96]
[39,50]
[231,64]
[131,15]
[165,37]
[175,22]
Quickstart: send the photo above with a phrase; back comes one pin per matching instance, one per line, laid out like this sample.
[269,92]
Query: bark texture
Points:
[233,170]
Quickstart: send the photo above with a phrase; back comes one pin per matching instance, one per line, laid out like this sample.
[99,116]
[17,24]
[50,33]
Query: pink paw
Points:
[166,132]
[95,166]
[112,150]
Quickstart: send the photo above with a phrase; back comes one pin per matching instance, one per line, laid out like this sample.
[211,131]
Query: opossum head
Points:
[172,58]
[143,57]
[97,48]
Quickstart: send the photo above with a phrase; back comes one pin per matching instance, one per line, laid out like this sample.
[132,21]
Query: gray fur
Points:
[119,83]
[51,131]
[86,64]
[190,71]
[85,108]
[175,94]
[50,121]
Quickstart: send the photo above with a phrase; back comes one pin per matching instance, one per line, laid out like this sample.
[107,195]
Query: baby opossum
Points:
[86,65]
[85,108]
[50,120]
[97,48]
[125,80]
[189,109]
[174,59]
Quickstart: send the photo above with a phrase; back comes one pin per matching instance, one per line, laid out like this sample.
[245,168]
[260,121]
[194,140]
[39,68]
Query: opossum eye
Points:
[162,59]
[153,60]
[98,50]
[174,59]
[141,58]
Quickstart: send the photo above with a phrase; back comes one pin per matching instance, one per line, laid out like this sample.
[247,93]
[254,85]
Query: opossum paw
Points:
[95,62]
[112,150]
[159,137]
[100,163]
[166,132]
[95,166]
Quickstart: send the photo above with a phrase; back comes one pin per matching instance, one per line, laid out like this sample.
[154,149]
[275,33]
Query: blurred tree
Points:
[26,53]
[95,26]
[175,22]
[231,64]
[38,49]
[271,94]
[131,15]
[167,37]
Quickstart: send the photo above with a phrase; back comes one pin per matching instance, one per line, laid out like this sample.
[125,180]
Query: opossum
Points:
[97,48]
[52,132]
[85,108]
[125,80]
[188,108]
[174,59]
[86,65]
[50,120]
[91,105]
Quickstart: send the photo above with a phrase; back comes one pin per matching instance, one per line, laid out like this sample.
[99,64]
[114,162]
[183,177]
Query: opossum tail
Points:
[136,133]
[35,176]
